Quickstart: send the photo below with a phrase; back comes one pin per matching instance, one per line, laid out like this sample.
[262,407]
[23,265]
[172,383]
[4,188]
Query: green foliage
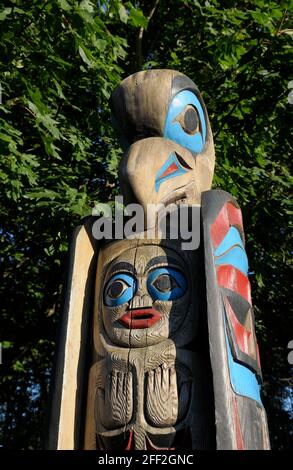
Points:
[59,63]
[60,60]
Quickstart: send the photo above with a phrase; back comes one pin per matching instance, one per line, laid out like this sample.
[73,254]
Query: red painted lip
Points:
[138,318]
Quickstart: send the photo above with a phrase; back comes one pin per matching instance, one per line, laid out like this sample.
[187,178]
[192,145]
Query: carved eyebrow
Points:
[180,82]
[122,266]
[160,260]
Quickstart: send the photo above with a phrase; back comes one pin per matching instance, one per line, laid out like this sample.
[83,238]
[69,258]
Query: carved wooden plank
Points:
[240,416]
[65,430]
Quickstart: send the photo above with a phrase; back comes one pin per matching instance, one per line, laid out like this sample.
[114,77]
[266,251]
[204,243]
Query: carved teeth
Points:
[144,301]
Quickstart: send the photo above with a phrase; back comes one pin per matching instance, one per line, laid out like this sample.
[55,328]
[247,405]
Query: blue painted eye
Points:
[119,290]
[185,122]
[166,284]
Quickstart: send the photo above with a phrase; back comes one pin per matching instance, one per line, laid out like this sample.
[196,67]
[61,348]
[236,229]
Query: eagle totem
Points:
[157,346]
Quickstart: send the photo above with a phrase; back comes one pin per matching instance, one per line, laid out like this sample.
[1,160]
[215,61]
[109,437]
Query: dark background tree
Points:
[60,60]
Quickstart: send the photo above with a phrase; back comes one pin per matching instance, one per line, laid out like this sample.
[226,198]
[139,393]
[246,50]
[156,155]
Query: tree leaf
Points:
[123,15]
[4,13]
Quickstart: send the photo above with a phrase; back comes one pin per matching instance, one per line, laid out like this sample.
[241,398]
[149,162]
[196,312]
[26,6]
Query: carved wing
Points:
[240,415]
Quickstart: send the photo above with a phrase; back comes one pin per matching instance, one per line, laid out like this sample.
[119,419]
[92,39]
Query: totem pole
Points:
[157,348]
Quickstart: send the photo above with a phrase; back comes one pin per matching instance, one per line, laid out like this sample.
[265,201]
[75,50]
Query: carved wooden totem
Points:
[157,348]
[148,389]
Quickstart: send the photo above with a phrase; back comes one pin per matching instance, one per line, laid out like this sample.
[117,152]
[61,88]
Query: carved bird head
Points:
[163,123]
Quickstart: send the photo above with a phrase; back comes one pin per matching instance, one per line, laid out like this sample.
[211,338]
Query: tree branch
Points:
[140,37]
[279,31]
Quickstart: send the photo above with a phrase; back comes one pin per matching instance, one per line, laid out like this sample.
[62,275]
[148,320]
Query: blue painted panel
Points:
[173,130]
[243,380]
[180,171]
[231,251]
[235,257]
[231,238]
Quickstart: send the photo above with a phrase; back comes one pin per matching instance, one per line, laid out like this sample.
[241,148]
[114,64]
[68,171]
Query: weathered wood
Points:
[140,104]
[145,386]
[240,415]
[140,183]
[67,401]
[173,354]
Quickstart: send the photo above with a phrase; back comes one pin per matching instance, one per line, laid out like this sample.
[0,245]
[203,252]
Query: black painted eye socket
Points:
[165,283]
[189,120]
[116,289]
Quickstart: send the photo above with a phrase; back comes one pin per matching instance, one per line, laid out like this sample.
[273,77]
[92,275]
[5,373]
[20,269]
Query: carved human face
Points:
[147,297]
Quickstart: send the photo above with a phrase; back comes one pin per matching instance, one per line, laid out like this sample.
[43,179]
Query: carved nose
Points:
[139,301]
